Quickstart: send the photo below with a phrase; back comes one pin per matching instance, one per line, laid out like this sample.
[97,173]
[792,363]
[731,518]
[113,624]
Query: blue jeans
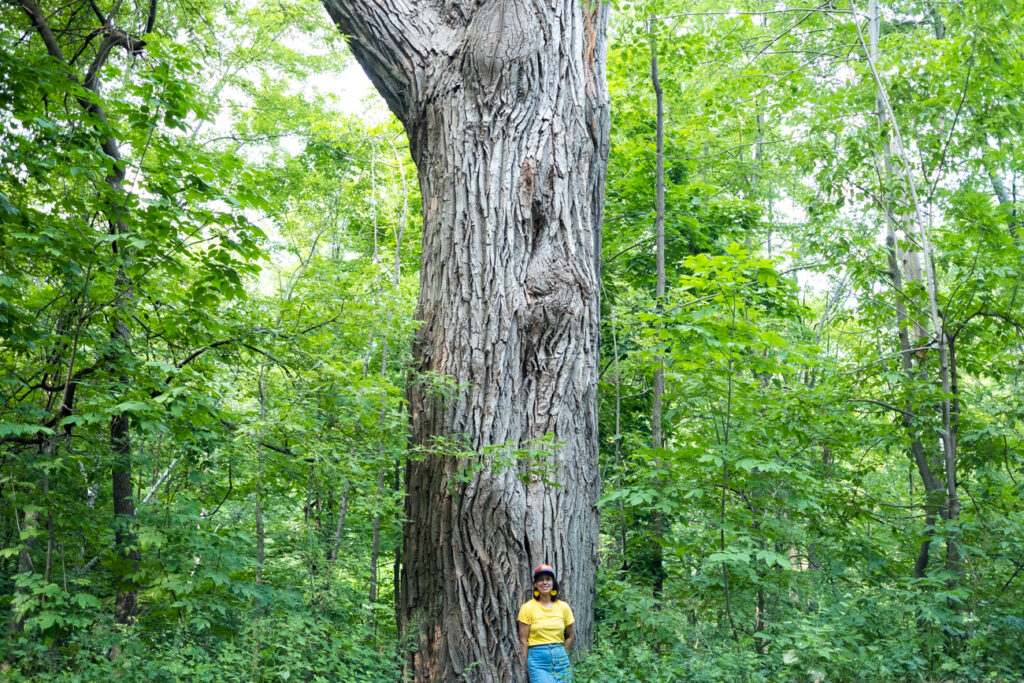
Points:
[548,664]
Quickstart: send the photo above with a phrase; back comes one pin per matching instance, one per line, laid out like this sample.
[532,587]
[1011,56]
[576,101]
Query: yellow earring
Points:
[536,594]
[554,593]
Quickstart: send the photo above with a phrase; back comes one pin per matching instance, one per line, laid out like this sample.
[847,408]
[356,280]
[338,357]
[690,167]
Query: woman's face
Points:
[544,583]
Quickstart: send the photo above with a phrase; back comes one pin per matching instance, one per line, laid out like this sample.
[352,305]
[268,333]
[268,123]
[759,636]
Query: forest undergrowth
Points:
[209,258]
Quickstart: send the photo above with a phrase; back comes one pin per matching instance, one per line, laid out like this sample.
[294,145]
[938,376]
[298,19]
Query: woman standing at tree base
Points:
[545,630]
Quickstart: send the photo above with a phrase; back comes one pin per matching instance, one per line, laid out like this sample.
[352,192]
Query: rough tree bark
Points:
[506,109]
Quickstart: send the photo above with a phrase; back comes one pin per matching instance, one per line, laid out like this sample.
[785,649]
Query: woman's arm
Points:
[569,636]
[524,639]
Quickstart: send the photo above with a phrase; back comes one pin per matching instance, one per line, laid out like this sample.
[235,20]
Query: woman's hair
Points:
[556,592]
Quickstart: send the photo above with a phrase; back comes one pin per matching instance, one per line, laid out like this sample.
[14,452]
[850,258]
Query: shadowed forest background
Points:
[208,275]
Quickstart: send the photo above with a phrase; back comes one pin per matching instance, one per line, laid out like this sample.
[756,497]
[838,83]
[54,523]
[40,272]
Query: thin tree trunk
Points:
[396,279]
[332,554]
[946,436]
[260,531]
[126,600]
[951,419]
[725,569]
[125,604]
[723,440]
[658,390]
[121,470]
[925,468]
[381,425]
[382,417]
[28,534]
[618,432]
[375,547]
[61,402]
[396,486]
[1002,195]
[911,268]
[311,501]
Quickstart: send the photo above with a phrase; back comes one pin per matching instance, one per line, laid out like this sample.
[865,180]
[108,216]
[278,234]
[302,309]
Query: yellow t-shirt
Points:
[546,625]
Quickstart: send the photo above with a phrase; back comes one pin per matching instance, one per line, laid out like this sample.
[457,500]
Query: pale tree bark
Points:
[941,340]
[506,109]
[1006,201]
[904,266]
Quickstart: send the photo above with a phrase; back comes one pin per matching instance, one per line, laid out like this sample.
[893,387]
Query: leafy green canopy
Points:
[182,190]
[796,511]
[237,283]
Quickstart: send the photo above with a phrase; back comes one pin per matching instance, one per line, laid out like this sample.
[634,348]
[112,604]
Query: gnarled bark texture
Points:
[506,109]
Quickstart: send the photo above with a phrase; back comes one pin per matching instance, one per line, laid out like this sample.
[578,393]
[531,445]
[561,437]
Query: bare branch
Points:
[820,9]
[97,11]
[159,481]
[195,354]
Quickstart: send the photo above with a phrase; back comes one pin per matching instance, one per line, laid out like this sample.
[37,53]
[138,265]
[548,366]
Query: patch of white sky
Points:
[815,282]
[345,91]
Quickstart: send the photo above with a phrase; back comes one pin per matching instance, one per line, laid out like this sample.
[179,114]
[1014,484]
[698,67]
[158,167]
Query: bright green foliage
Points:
[267,348]
[263,369]
[797,512]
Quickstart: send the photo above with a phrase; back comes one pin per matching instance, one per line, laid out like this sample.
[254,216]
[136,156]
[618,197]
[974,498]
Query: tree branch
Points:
[231,487]
[1010,580]
[151,18]
[195,354]
[42,27]
[887,406]
[311,328]
[97,11]
[159,481]
[395,41]
[113,38]
[952,127]
[223,342]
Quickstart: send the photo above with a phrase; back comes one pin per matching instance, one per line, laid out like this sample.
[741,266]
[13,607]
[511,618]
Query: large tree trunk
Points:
[505,106]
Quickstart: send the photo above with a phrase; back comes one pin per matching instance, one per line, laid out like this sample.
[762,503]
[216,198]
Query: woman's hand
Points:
[569,636]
